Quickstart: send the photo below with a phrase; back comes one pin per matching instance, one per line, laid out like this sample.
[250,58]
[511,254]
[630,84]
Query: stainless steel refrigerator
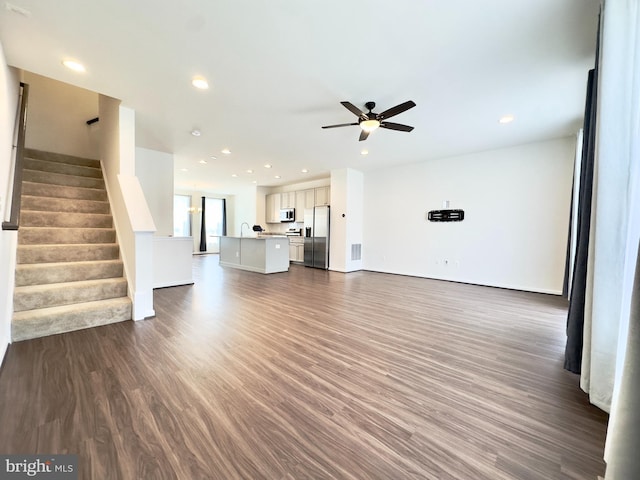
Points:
[316,237]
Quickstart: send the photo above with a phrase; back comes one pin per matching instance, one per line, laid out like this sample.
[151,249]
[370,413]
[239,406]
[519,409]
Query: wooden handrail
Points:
[14,219]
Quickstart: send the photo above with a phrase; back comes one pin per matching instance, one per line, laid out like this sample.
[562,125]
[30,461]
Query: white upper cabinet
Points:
[288,200]
[272,207]
[323,196]
[300,200]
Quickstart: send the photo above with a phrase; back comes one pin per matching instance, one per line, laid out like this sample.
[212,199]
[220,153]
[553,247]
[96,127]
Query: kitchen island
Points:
[262,254]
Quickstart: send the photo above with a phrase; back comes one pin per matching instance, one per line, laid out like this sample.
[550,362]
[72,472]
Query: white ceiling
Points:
[279,68]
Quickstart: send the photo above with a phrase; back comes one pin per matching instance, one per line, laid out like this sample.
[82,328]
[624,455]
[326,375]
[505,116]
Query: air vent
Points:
[356,251]
[445,215]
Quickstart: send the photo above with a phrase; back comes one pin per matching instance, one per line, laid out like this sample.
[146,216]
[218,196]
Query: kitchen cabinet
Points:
[256,254]
[300,200]
[304,199]
[272,207]
[288,200]
[296,249]
[323,196]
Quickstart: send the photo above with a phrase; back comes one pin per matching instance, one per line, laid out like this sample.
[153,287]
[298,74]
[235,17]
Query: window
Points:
[214,223]
[182,216]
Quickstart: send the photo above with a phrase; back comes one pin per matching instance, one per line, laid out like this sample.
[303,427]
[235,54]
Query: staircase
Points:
[68,275]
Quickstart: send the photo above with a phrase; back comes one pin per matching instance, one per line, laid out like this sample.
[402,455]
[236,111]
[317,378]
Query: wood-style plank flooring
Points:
[310,375]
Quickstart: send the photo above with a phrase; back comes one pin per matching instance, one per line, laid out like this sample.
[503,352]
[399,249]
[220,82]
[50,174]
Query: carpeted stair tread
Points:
[35,218]
[67,318]
[63,191]
[49,204]
[65,168]
[58,272]
[57,236]
[56,294]
[38,176]
[61,157]
[67,253]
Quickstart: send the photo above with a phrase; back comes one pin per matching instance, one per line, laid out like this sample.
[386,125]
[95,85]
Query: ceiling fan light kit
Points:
[370,120]
[369,125]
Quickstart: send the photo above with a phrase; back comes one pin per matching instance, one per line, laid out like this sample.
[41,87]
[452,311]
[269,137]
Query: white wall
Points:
[9,91]
[58,113]
[346,218]
[514,235]
[244,210]
[155,172]
[131,215]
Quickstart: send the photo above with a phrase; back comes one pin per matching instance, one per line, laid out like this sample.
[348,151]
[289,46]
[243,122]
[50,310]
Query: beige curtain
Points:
[611,355]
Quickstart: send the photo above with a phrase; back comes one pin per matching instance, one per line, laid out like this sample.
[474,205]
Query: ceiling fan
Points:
[369,121]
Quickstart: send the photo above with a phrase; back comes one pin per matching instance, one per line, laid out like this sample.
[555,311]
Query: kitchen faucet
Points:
[241,226]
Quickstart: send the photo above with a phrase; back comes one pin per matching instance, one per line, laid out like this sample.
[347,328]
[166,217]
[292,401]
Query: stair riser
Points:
[30,218]
[58,236]
[68,294]
[64,168]
[61,191]
[60,157]
[26,326]
[40,274]
[45,204]
[65,253]
[61,179]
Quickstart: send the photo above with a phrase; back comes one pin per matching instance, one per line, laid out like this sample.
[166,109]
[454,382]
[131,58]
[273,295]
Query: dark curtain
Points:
[575,317]
[203,229]
[224,217]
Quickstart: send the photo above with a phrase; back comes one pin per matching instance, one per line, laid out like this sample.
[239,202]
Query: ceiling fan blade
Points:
[403,107]
[340,125]
[363,135]
[355,110]
[396,126]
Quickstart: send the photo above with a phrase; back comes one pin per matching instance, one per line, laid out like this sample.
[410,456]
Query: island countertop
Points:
[262,254]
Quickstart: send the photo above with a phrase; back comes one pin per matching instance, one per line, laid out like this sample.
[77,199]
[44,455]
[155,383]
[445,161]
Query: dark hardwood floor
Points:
[310,375]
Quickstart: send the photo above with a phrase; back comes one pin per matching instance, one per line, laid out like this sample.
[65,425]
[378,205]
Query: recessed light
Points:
[506,119]
[277,176]
[255,181]
[213,158]
[73,65]
[226,151]
[200,83]
[267,166]
[184,170]
[203,162]
[234,175]
[249,171]
[304,170]
[364,152]
[196,133]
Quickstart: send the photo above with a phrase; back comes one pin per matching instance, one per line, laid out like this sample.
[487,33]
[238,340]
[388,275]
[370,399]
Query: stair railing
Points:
[14,218]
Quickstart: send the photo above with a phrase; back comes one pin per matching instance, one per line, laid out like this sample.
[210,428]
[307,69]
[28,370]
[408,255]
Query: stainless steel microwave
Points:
[287,214]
